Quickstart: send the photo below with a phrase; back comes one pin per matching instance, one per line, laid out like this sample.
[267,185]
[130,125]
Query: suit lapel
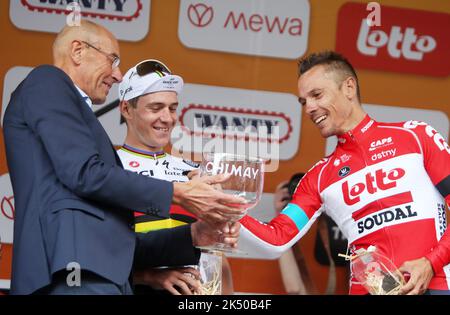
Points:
[119,162]
[98,131]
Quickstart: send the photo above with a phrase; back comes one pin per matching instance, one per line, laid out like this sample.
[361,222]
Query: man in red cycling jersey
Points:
[385,184]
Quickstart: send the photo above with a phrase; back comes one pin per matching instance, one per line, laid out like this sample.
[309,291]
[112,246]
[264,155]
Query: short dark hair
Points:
[133,102]
[333,62]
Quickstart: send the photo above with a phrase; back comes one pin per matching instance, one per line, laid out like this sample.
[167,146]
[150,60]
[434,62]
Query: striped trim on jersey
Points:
[143,153]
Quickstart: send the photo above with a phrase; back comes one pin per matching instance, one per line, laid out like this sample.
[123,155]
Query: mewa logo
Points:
[201,15]
[6,198]
[7,207]
[275,28]
[407,40]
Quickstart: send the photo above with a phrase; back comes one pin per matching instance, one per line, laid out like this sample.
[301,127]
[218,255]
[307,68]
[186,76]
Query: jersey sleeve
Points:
[436,154]
[270,240]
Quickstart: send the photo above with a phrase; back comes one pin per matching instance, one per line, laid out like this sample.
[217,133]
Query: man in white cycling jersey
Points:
[386,184]
[148,103]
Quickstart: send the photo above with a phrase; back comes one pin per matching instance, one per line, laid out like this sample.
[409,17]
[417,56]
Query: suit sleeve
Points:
[156,248]
[52,111]
[436,154]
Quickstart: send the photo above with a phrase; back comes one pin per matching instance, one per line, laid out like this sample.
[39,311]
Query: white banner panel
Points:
[128,20]
[253,27]
[240,121]
[6,210]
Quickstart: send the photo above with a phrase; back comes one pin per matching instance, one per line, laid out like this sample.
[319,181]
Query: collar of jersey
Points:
[359,132]
[143,153]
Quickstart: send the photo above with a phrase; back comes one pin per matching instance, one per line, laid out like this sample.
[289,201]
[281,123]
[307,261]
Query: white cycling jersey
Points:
[160,165]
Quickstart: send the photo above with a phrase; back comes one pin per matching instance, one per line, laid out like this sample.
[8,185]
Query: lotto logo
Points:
[371,183]
[398,44]
[407,40]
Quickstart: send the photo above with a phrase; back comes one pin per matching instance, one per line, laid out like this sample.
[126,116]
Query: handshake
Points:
[202,197]
[212,208]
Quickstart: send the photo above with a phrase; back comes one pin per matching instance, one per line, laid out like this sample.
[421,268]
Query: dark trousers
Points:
[437,292]
[90,284]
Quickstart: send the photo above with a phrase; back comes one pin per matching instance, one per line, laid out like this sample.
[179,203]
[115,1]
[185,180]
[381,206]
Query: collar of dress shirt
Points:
[85,97]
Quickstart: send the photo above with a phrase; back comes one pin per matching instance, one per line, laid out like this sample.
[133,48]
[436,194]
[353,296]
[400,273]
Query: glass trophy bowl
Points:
[246,180]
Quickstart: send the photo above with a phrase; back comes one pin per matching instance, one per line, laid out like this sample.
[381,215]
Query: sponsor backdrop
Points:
[239,60]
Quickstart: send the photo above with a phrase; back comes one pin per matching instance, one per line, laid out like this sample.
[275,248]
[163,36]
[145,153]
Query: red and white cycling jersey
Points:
[384,185]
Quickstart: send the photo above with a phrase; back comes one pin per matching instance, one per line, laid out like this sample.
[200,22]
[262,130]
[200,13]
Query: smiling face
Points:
[332,106]
[97,74]
[151,121]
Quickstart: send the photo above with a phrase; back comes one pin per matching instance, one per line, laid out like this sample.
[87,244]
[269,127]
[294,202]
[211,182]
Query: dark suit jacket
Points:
[72,196]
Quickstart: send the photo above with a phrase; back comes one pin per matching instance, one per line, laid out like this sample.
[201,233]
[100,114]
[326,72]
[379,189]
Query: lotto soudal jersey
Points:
[386,185]
[160,165]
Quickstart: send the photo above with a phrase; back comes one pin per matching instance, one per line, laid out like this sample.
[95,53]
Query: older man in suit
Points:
[72,196]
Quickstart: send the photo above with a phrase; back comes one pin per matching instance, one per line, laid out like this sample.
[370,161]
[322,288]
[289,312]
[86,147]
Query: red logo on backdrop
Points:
[200,15]
[210,121]
[134,164]
[407,40]
[7,207]
[95,9]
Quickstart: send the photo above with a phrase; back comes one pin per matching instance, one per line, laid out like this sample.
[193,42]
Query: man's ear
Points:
[349,88]
[76,51]
[124,108]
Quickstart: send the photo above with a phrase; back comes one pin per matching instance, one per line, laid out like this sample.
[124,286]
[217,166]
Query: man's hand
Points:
[281,196]
[199,197]
[421,272]
[204,234]
[193,174]
[180,281]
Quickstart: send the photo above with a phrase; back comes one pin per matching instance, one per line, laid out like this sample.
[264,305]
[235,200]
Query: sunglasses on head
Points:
[146,67]
[151,65]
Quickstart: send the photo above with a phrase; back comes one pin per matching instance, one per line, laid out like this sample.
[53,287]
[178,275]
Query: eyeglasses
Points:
[115,60]
[146,67]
